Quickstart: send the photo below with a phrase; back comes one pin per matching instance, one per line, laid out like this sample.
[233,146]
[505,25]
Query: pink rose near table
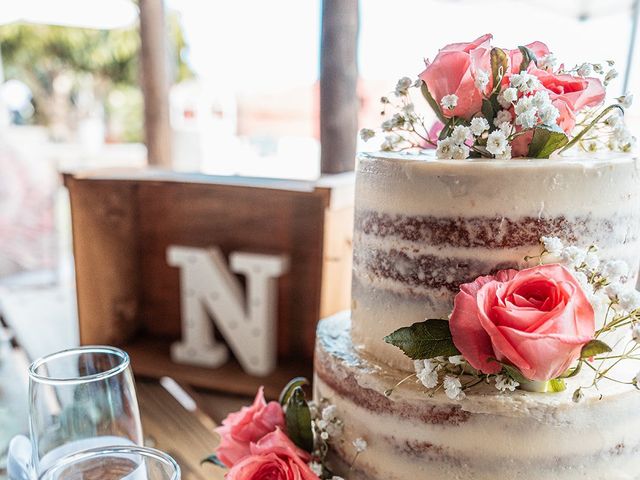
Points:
[495,325]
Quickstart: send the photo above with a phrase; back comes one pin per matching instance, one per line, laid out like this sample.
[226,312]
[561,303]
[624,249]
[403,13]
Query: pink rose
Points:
[453,72]
[274,457]
[248,425]
[536,319]
[577,92]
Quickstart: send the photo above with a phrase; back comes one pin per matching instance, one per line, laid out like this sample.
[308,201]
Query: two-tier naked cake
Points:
[425,226]
[494,332]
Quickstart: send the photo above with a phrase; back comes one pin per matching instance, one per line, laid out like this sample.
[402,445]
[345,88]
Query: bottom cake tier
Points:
[489,435]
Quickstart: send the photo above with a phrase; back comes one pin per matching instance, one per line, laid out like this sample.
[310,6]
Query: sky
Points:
[252,45]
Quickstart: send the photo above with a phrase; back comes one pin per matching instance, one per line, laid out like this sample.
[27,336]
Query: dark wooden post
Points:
[155,82]
[338,78]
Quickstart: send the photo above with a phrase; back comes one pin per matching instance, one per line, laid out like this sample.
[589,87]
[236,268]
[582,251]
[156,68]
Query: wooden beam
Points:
[155,82]
[338,78]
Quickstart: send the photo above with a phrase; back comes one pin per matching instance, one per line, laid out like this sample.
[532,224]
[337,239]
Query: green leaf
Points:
[499,65]
[593,348]
[487,110]
[527,57]
[428,339]
[546,140]
[298,420]
[514,373]
[432,103]
[213,458]
[288,389]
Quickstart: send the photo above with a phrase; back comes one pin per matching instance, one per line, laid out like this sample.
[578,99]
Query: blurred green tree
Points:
[70,70]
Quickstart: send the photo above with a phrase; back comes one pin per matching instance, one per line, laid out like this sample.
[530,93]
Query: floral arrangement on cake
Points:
[283,440]
[531,328]
[502,103]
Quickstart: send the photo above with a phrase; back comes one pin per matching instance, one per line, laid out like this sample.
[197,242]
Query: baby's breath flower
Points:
[336,477]
[360,444]
[460,134]
[516,80]
[506,128]
[479,125]
[585,70]
[549,114]
[460,152]
[329,413]
[504,383]
[524,82]
[553,245]
[402,87]
[384,100]
[503,116]
[367,134]
[508,96]
[453,388]
[527,119]
[614,120]
[611,74]
[390,142]
[614,290]
[427,372]
[573,256]
[506,155]
[540,99]
[590,145]
[548,61]
[615,269]
[449,101]
[482,80]
[629,300]
[444,149]
[523,105]
[457,360]
[592,260]
[496,142]
[408,108]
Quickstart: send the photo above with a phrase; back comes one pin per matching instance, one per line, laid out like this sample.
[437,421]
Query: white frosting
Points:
[590,193]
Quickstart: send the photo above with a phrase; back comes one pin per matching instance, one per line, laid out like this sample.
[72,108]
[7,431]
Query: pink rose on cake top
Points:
[537,319]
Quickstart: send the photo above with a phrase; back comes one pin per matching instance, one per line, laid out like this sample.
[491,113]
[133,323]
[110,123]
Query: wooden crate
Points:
[123,222]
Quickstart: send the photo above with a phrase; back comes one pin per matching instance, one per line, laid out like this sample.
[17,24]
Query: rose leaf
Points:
[423,340]
[546,140]
[527,57]
[593,348]
[298,420]
[288,389]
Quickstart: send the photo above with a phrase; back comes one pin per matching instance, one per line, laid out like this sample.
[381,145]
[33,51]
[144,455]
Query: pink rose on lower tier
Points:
[535,319]
[248,425]
[274,457]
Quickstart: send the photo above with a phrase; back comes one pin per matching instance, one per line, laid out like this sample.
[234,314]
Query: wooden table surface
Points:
[185,435]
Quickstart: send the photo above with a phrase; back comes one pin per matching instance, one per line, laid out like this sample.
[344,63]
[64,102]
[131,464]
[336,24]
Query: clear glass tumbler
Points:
[81,398]
[114,463]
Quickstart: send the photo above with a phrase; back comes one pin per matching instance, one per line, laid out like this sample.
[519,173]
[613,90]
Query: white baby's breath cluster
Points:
[611,290]
[442,372]
[510,109]
[327,427]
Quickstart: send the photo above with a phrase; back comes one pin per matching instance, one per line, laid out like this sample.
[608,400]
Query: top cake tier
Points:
[424,226]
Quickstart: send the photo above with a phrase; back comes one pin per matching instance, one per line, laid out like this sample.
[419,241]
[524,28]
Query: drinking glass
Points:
[81,398]
[114,463]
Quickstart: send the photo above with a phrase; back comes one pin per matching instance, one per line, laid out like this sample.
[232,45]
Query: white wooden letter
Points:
[248,324]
